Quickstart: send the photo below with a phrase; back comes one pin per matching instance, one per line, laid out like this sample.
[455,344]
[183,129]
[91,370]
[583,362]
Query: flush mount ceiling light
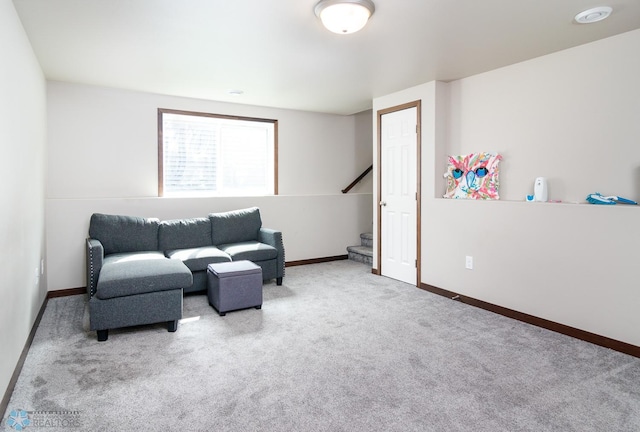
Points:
[593,15]
[344,16]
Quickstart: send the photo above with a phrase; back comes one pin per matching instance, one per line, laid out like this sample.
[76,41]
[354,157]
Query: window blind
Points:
[215,156]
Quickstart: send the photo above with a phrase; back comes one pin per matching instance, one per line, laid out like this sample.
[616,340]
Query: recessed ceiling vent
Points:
[593,15]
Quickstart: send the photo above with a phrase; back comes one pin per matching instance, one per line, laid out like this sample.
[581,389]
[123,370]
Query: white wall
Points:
[363,151]
[570,116]
[22,144]
[103,143]
[103,158]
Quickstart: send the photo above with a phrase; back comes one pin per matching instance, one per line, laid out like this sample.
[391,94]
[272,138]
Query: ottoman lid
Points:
[233,268]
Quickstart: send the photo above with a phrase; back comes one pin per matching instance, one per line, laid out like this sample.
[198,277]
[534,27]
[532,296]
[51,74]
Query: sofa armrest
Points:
[95,258]
[274,238]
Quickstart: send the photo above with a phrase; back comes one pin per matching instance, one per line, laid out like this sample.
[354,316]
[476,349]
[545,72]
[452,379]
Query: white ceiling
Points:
[279,54]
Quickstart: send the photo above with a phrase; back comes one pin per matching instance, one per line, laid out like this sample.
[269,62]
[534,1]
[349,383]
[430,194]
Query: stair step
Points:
[361,254]
[366,239]
[362,250]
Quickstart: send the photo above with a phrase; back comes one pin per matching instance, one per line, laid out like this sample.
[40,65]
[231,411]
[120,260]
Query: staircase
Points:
[364,252]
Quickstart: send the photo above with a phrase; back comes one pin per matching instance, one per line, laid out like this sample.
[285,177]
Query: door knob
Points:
[383,203]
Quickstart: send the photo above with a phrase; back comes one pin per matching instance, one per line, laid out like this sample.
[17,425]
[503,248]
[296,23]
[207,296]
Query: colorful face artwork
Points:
[473,176]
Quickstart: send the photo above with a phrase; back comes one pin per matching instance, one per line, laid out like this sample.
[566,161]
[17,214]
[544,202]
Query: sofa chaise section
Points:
[129,282]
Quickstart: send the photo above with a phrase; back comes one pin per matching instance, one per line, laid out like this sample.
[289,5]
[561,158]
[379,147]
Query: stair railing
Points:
[357,180]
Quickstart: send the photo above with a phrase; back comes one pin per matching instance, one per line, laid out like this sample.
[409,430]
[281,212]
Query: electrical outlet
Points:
[468,263]
[42,267]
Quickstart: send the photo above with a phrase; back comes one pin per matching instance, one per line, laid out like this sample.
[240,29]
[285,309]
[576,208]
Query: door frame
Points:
[418,105]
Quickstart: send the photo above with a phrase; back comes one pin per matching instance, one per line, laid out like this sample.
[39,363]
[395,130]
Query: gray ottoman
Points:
[234,285]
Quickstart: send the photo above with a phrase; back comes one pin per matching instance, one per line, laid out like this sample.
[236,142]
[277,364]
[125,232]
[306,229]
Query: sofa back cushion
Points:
[184,234]
[124,233]
[235,226]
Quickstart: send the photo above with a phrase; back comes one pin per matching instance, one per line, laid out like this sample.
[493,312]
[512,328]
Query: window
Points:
[215,155]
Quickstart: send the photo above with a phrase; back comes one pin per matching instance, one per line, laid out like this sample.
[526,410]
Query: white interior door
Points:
[398,198]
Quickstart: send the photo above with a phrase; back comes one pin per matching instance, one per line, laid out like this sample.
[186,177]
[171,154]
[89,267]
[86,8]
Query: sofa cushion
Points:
[125,278]
[133,256]
[124,233]
[251,251]
[197,259]
[184,233]
[235,226]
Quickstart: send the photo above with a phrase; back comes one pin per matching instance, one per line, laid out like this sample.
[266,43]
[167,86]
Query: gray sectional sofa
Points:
[139,268]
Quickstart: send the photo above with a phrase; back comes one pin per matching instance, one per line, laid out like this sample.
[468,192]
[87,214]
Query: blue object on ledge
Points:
[598,198]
